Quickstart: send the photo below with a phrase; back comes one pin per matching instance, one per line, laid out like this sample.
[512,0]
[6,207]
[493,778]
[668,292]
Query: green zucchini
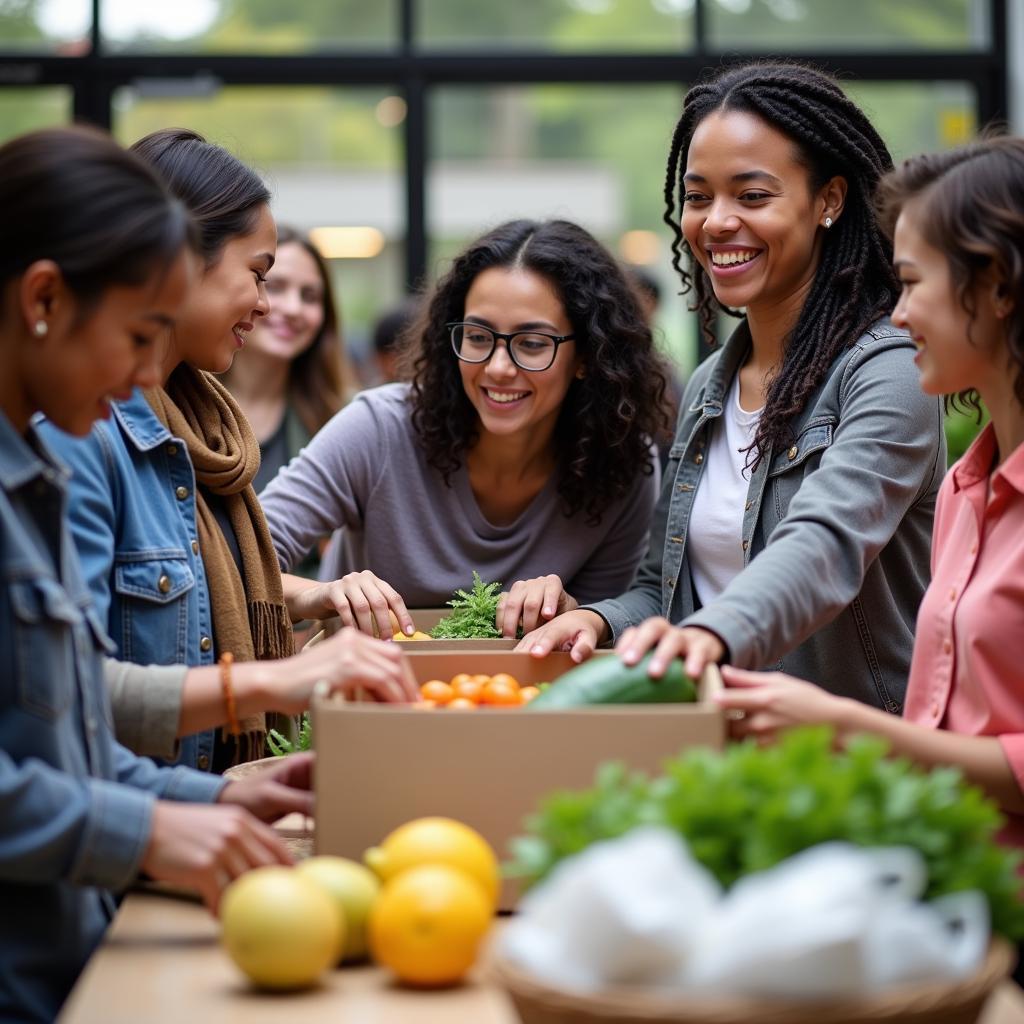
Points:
[606,680]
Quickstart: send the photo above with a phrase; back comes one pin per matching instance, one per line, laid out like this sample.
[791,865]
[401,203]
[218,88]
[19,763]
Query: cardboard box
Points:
[379,766]
[425,619]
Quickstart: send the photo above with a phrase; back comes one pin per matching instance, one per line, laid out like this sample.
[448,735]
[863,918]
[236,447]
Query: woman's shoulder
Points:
[383,407]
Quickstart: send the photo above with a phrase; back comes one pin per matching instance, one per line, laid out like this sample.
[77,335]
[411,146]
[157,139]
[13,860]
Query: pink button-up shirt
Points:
[967,673]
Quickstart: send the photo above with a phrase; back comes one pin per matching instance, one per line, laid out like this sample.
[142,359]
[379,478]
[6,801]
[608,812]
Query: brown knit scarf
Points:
[249,615]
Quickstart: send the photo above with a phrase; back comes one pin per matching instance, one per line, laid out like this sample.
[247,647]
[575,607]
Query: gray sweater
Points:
[365,472]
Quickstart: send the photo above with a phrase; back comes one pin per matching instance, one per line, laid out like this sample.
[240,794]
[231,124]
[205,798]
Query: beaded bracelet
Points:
[227,659]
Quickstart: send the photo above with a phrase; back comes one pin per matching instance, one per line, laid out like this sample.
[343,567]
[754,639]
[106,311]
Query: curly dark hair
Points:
[854,285]
[971,208]
[608,418]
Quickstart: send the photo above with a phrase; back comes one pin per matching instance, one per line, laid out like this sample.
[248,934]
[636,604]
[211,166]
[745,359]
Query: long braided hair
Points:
[854,285]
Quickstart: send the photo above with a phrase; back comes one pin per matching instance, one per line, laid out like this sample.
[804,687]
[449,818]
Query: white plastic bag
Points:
[625,911]
[834,920]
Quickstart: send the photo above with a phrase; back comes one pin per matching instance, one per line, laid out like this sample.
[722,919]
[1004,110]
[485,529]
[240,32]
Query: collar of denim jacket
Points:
[725,368]
[139,422]
[26,457]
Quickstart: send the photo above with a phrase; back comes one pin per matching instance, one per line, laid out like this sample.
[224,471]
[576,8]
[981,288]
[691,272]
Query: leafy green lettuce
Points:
[747,808]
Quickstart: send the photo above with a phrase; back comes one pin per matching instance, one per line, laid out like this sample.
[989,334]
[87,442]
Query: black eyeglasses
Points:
[529,350]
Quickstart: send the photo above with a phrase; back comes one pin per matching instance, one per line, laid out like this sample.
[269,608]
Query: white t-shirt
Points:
[715,540]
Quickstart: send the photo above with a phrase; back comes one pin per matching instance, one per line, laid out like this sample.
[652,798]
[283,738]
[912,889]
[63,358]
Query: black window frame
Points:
[93,78]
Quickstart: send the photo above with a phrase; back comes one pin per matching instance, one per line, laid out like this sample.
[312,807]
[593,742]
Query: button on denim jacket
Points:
[836,527]
[69,832]
[133,517]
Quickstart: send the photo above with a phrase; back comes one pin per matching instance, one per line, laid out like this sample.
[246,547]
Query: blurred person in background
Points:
[290,378]
[387,338]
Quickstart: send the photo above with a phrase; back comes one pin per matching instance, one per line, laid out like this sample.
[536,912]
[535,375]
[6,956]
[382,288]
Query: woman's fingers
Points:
[636,641]
[530,603]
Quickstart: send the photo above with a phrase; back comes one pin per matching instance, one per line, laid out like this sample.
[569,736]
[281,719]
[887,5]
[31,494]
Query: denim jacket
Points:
[133,517]
[75,807]
[836,527]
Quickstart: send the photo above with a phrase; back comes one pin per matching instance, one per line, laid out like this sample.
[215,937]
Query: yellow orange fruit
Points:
[354,889]
[527,693]
[461,704]
[280,927]
[428,924]
[437,841]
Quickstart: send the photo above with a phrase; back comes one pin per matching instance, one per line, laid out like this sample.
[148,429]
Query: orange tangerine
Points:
[505,679]
[436,690]
[469,688]
[528,693]
[461,704]
[428,923]
[499,694]
[462,677]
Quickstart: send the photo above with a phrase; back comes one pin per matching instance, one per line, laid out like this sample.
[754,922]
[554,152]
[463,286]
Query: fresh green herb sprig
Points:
[279,744]
[749,807]
[473,613]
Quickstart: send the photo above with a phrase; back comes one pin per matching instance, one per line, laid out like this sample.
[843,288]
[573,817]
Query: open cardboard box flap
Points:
[425,619]
[379,766]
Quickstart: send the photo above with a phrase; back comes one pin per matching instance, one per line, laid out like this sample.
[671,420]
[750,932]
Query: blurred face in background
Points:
[296,293]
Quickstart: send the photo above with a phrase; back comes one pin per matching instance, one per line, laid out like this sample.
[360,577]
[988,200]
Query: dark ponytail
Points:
[221,193]
[72,195]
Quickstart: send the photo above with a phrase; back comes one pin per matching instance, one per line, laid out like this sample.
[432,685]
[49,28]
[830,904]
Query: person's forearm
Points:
[203,703]
[296,598]
[981,758]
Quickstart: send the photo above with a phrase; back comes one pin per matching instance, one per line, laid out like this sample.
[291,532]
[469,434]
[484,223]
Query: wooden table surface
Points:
[162,962]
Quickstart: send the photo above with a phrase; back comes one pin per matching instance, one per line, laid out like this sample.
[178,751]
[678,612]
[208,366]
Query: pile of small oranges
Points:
[463,692]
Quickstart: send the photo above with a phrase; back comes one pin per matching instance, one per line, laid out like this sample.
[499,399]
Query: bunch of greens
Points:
[473,613]
[279,744]
[749,807]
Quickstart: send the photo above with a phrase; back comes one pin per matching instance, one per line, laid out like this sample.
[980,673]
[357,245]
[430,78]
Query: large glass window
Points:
[331,159]
[792,26]
[46,26]
[249,26]
[557,25]
[915,117]
[24,110]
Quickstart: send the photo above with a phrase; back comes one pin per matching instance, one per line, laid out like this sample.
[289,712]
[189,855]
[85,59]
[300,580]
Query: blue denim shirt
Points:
[75,807]
[133,518]
[836,527]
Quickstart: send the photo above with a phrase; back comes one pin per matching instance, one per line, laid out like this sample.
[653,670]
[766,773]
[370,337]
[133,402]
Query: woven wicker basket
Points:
[954,1003]
[295,831]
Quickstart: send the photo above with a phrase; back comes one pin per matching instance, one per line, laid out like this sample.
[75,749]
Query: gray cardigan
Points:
[837,528]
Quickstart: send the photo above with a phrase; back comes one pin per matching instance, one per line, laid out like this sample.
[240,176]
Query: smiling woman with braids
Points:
[793,528]
[522,448]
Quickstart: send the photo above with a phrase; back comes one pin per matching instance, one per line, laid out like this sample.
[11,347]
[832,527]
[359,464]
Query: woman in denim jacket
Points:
[794,521]
[142,493]
[93,265]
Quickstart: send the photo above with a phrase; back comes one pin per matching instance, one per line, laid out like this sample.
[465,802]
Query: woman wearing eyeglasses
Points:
[521,448]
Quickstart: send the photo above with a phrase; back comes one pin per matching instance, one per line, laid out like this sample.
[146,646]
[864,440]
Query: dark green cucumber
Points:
[606,680]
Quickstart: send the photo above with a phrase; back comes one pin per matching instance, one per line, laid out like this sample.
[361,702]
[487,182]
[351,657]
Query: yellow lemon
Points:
[428,924]
[279,927]
[354,889]
[437,841]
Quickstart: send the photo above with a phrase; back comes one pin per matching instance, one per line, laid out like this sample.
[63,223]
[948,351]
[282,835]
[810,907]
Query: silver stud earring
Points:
[828,223]
[40,328]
